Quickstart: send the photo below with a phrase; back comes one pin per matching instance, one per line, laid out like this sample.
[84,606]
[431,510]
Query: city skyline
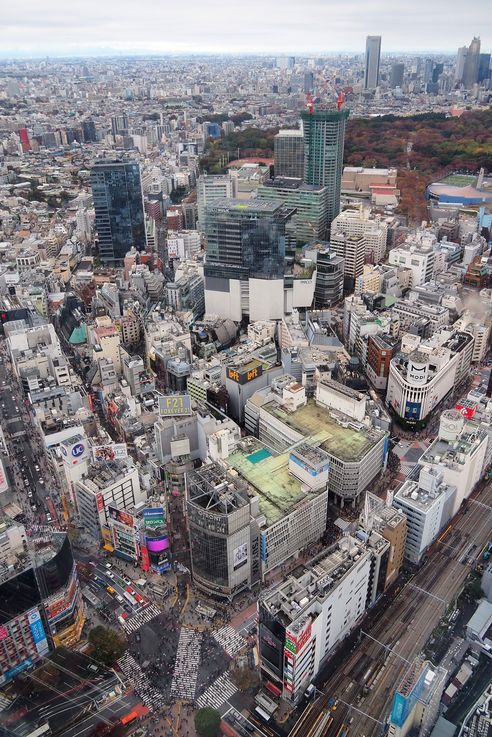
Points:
[322,28]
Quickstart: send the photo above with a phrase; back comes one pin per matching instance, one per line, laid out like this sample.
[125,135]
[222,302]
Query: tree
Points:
[207,722]
[107,644]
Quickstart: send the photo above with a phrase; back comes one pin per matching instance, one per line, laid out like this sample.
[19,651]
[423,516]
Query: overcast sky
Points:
[242,26]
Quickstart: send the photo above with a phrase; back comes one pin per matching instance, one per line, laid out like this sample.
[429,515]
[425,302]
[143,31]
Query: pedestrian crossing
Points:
[230,640]
[152,698]
[183,685]
[218,693]
[138,620]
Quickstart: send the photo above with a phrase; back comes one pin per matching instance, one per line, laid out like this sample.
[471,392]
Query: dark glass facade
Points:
[246,239]
[324,139]
[271,641]
[209,555]
[119,209]
[29,587]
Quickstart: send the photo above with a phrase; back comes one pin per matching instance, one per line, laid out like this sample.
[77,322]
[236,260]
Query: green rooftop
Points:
[278,491]
[346,443]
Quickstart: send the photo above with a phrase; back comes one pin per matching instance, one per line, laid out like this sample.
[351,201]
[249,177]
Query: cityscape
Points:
[246,373]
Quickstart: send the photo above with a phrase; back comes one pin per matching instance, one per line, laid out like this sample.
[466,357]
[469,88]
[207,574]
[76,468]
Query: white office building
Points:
[116,483]
[416,254]
[420,379]
[213,187]
[428,506]
[459,453]
[306,615]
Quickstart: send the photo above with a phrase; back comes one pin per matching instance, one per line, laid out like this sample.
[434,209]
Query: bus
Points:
[129,598]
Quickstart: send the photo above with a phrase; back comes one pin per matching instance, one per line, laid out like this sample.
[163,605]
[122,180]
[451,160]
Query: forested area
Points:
[421,147]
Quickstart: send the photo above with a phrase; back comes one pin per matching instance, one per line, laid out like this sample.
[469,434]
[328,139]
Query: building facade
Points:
[119,209]
[324,138]
[288,152]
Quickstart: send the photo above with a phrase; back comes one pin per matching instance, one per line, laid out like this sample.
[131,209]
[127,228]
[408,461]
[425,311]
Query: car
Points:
[48,517]
[108,566]
[34,508]
[41,481]
[36,467]
[110,575]
[29,494]
[138,598]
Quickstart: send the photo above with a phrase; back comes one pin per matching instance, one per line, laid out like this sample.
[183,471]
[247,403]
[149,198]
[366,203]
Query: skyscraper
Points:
[324,137]
[308,81]
[245,261]
[460,63]
[373,54]
[289,153]
[472,63]
[119,209]
[397,72]
[484,67]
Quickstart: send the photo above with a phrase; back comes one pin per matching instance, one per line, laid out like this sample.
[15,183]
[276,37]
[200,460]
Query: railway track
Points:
[363,685]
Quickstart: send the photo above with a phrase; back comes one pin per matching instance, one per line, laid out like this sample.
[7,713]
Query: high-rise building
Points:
[484,71]
[224,540]
[460,63]
[324,137]
[308,225]
[373,55]
[245,261]
[119,208]
[397,72]
[472,63]
[308,82]
[288,146]
[428,69]
[329,279]
[119,124]
[211,188]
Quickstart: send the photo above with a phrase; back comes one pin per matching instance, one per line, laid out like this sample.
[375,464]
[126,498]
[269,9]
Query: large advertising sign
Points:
[3,479]
[174,405]
[240,556]
[37,631]
[109,452]
[58,607]
[100,502]
[157,545]
[74,452]
[119,515]
[145,558]
[295,642]
[244,375]
[154,517]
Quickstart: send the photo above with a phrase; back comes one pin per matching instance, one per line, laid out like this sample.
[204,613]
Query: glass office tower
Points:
[118,204]
[246,239]
[324,138]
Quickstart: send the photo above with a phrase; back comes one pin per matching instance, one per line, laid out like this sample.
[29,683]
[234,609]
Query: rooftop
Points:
[349,441]
[293,597]
[412,494]
[278,491]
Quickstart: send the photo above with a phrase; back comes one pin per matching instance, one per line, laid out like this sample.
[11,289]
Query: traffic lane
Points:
[107,577]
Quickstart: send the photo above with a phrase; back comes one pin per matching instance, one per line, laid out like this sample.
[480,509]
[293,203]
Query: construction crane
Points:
[325,85]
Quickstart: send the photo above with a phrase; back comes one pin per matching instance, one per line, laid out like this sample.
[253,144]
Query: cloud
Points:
[242,26]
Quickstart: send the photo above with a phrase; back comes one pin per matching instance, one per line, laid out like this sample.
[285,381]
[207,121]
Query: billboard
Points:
[154,517]
[295,642]
[244,375]
[37,631]
[119,515]
[240,556]
[100,502]
[58,607]
[3,479]
[145,558]
[158,544]
[174,405]
[109,452]
[74,450]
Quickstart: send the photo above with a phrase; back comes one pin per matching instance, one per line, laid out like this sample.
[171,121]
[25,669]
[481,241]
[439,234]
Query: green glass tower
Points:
[324,137]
